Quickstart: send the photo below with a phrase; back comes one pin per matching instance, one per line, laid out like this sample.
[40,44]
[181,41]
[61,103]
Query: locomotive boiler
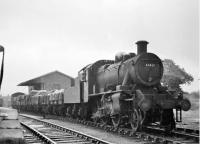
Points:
[144,68]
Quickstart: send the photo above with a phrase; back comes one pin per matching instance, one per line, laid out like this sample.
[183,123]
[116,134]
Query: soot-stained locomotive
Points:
[126,91]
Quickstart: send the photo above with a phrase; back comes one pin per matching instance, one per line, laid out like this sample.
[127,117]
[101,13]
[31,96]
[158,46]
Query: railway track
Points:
[151,134]
[31,136]
[39,131]
[179,135]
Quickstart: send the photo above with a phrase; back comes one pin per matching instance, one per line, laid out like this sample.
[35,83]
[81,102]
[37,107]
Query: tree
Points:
[174,76]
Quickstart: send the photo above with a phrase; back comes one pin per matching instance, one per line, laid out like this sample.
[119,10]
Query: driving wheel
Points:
[104,120]
[135,120]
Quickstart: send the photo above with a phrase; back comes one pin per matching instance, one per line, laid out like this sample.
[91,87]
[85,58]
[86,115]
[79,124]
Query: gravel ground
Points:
[113,138]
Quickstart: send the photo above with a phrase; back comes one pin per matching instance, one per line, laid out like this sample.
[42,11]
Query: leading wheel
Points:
[135,120]
[116,120]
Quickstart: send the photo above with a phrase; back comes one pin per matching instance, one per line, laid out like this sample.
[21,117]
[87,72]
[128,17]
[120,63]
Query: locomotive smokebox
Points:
[141,47]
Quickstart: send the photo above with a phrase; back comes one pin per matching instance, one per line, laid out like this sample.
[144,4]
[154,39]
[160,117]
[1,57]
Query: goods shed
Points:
[50,81]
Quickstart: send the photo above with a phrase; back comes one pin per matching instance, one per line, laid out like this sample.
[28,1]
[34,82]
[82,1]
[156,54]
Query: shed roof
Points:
[35,80]
[17,94]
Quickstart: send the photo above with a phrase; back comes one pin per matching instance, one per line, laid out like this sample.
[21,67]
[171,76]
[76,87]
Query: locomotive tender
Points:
[126,91]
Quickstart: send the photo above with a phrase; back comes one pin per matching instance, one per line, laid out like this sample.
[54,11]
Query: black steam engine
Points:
[126,91]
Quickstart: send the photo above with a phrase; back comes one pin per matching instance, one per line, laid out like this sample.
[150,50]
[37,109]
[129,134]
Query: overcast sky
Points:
[41,36]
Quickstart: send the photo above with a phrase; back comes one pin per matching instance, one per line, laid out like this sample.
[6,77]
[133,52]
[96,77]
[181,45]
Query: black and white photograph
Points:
[99,71]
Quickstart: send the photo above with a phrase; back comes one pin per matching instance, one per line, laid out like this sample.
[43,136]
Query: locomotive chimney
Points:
[141,47]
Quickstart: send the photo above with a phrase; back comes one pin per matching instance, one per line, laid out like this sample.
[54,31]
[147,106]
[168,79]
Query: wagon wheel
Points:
[69,111]
[116,120]
[135,120]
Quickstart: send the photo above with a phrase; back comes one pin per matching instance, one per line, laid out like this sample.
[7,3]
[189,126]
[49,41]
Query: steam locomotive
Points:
[125,91]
